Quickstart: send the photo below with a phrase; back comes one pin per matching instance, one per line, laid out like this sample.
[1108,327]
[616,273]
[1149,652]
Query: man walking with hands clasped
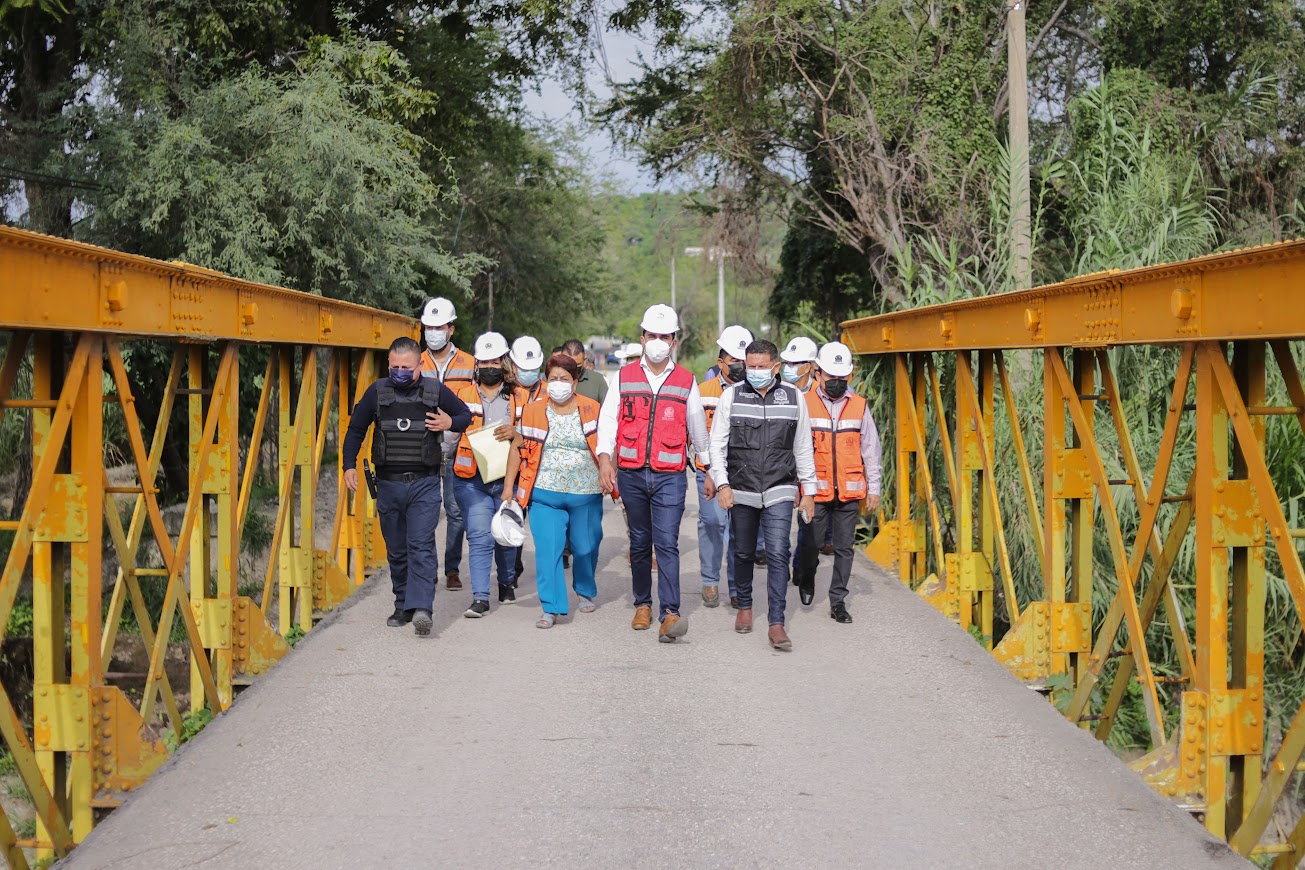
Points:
[647,424]
[762,464]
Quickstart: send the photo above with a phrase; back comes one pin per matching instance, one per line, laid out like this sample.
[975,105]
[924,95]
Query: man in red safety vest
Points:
[647,424]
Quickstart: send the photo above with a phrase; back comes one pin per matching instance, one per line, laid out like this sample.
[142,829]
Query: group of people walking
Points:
[771,433]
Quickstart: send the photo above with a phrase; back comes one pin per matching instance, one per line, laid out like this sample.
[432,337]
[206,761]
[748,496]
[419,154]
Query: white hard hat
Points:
[735,340]
[799,350]
[508,525]
[438,312]
[491,346]
[835,360]
[660,320]
[633,350]
[526,353]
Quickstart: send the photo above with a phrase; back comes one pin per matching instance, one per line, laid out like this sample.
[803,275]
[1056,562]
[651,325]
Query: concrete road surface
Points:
[893,742]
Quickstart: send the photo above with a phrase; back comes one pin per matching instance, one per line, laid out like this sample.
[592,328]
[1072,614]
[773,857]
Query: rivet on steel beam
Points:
[1180,303]
[249,313]
[117,296]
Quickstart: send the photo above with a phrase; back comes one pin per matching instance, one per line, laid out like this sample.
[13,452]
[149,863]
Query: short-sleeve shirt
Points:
[565,463]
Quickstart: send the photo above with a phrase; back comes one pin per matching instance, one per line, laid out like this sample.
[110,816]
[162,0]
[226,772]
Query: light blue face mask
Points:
[759,378]
[790,374]
[527,377]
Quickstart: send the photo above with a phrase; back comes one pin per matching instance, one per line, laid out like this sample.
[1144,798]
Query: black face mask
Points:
[835,387]
[736,371]
[490,377]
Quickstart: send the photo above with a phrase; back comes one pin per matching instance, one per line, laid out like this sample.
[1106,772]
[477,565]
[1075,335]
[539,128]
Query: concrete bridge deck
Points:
[893,742]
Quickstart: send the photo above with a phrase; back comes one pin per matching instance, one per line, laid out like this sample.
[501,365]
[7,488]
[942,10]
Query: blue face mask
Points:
[402,377]
[790,374]
[759,378]
[527,377]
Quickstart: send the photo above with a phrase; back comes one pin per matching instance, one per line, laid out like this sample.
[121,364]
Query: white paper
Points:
[491,454]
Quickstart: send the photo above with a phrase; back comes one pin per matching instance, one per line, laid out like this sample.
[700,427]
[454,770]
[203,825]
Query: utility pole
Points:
[720,290]
[489,317]
[1018,86]
[673,283]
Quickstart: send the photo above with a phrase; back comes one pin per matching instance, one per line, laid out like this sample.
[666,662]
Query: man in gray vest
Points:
[410,413]
[762,463]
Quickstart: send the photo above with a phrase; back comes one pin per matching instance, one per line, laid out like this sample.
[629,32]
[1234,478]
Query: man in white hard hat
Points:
[848,472]
[713,520]
[493,405]
[528,358]
[797,357]
[647,424]
[453,368]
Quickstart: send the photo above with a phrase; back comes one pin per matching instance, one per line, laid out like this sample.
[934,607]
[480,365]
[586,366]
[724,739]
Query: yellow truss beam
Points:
[52,283]
[1246,294]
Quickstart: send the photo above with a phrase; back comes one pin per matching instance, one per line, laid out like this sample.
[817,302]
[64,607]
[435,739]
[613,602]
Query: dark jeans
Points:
[654,505]
[454,528]
[409,513]
[839,520]
[772,525]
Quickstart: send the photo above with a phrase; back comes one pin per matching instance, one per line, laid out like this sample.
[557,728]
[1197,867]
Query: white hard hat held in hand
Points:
[800,350]
[835,360]
[508,525]
[490,346]
[438,312]
[660,320]
[735,340]
[526,353]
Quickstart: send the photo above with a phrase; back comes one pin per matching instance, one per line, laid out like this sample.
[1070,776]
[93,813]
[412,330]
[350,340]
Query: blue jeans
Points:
[772,525]
[713,539]
[556,519]
[479,501]
[409,513]
[654,506]
[453,524]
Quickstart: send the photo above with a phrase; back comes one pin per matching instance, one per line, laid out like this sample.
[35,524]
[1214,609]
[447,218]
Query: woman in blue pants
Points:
[556,474]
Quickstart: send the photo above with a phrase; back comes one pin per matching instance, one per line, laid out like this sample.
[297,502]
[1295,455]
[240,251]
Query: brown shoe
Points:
[711,596]
[642,618]
[452,580]
[673,626]
[827,550]
[779,639]
[743,621]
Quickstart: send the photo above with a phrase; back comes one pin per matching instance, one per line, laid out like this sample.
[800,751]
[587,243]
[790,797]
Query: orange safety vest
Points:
[534,429]
[464,464]
[652,428]
[711,390]
[840,471]
[526,395]
[460,373]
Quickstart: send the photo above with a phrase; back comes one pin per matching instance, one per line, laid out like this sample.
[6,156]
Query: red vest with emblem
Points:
[840,471]
[652,428]
[710,390]
[534,431]
[464,464]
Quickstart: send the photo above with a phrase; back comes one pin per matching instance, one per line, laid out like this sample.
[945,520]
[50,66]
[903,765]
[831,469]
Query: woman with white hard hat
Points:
[528,358]
[556,476]
[645,427]
[493,403]
[797,358]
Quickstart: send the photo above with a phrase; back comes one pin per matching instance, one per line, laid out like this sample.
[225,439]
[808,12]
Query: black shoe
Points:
[399,618]
[839,613]
[734,601]
[806,590]
[760,558]
[507,592]
[421,622]
[477,609]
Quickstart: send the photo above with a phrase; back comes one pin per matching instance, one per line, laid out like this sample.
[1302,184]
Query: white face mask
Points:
[560,391]
[657,350]
[437,338]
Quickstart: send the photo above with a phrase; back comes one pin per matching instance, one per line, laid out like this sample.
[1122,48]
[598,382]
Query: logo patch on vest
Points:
[668,413]
[781,397]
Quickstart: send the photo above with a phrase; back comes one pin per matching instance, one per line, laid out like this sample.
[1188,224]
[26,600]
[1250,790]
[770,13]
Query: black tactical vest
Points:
[760,461]
[402,439]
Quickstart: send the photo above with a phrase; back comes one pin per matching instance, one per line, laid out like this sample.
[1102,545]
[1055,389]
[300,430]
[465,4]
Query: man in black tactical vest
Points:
[762,463]
[410,413]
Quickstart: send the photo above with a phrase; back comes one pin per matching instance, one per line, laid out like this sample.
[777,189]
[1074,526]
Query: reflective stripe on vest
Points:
[534,428]
[652,428]
[710,390]
[840,470]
